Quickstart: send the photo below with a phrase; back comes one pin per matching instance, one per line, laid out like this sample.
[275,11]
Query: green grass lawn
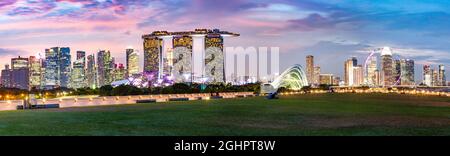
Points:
[319,114]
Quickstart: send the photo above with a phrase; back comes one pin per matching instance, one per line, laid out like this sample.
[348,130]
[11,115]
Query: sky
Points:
[331,30]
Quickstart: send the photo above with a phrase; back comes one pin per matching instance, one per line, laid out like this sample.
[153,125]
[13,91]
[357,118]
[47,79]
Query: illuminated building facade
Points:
[78,78]
[327,79]
[64,66]
[441,75]
[336,80]
[119,72]
[6,77]
[182,55]
[214,58]
[435,78]
[193,56]
[91,72]
[36,72]
[57,67]
[153,55]
[377,77]
[407,72]
[19,75]
[132,61]
[310,68]
[348,71]
[19,63]
[370,78]
[52,76]
[427,75]
[105,66]
[387,67]
[396,72]
[316,76]
[358,75]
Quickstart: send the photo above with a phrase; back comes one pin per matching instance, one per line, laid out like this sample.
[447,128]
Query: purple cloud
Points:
[7,2]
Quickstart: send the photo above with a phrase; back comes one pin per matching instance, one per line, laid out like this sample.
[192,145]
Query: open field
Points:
[315,114]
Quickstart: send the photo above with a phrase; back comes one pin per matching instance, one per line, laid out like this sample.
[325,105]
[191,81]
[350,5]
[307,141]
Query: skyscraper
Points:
[358,75]
[214,58]
[132,60]
[57,67]
[36,72]
[6,77]
[182,53]
[348,71]
[370,78]
[316,76]
[435,78]
[19,63]
[91,72]
[387,67]
[20,77]
[152,54]
[396,72]
[310,69]
[65,63]
[78,71]
[52,75]
[441,75]
[427,75]
[119,72]
[407,72]
[105,65]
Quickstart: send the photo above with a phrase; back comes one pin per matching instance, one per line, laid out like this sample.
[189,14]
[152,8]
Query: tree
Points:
[105,90]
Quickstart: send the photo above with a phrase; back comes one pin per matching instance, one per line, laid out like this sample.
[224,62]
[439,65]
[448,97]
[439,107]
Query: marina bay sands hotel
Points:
[189,56]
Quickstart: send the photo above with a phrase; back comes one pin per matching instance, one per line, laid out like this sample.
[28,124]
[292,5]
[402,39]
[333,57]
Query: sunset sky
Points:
[331,30]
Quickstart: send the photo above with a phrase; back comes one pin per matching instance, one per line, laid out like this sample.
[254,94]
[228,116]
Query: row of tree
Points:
[178,88]
[123,90]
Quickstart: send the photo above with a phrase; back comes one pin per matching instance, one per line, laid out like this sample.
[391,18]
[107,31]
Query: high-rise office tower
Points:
[57,67]
[36,72]
[20,73]
[427,75]
[316,76]
[52,62]
[105,66]
[441,75]
[387,67]
[310,69]
[65,63]
[91,72]
[396,72]
[370,78]
[132,61]
[19,63]
[119,72]
[435,78]
[407,72]
[78,71]
[358,75]
[6,77]
[348,71]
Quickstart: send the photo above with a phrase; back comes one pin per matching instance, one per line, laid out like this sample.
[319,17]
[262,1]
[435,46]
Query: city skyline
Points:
[298,28]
